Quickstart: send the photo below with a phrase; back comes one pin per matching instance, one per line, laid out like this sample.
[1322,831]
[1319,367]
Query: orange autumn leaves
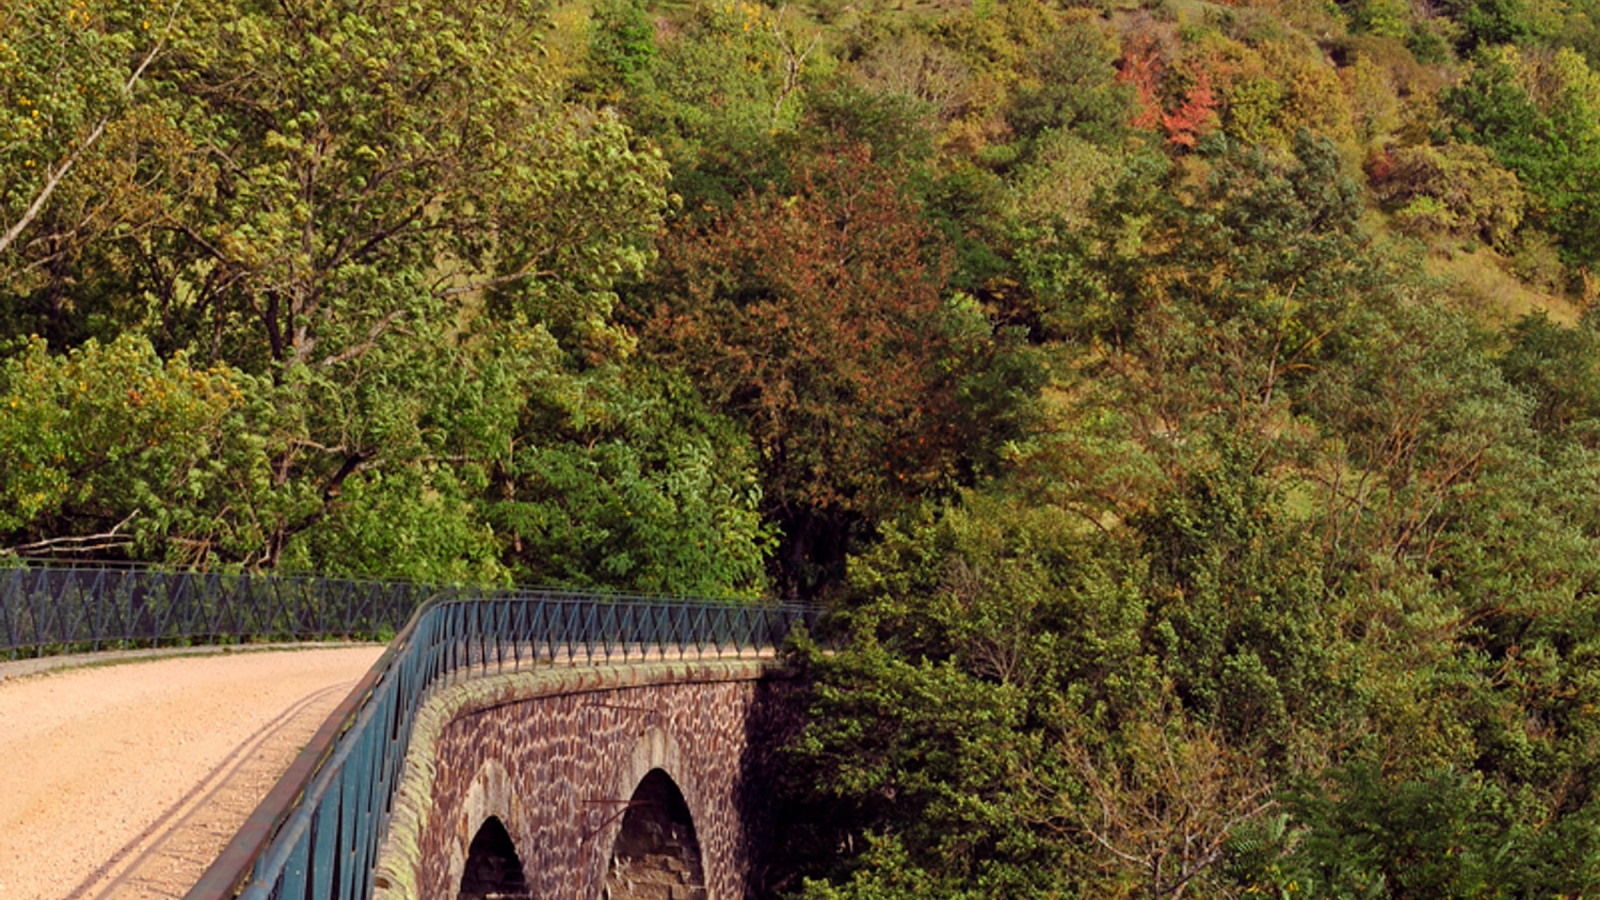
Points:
[816,315]
[1192,116]
[1256,94]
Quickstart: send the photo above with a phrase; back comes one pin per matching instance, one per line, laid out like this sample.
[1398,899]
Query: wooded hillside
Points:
[1191,410]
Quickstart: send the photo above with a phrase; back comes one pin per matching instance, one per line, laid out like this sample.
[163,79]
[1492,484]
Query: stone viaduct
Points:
[636,781]
[496,751]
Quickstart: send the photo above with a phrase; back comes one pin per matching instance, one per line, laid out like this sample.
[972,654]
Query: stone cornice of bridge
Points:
[395,875]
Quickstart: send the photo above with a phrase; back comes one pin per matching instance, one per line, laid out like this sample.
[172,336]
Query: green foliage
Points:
[967,626]
[890,124]
[1539,118]
[1237,607]
[391,218]
[1268,251]
[113,441]
[1184,540]
[1560,368]
[1428,41]
[1253,108]
[1455,188]
[622,480]
[1074,90]
[417,523]
[622,48]
[66,67]
[1445,834]
[886,873]
[1384,18]
[1323,532]
[721,89]
[1494,22]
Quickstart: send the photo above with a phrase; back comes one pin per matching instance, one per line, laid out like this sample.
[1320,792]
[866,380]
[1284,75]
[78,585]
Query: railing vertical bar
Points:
[296,870]
[325,853]
[180,587]
[364,761]
[98,614]
[348,813]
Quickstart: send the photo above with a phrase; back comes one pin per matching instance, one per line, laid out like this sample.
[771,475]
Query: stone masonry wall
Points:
[557,753]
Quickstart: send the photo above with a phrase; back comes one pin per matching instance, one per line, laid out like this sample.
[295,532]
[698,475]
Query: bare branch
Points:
[375,332]
[792,62]
[54,178]
[78,543]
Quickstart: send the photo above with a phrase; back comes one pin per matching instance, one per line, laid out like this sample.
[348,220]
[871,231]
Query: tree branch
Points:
[55,178]
[87,543]
[375,332]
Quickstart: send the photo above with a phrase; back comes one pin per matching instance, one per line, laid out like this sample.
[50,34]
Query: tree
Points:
[370,211]
[998,722]
[1073,88]
[1496,22]
[85,152]
[723,85]
[1455,188]
[109,449]
[818,319]
[409,167]
[981,635]
[67,72]
[1196,116]
[368,200]
[622,48]
[1162,811]
[1142,68]
[1537,116]
[1443,834]
[1560,367]
[618,477]
[1208,305]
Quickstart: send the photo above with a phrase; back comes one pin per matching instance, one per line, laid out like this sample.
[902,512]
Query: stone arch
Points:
[657,852]
[655,749]
[491,797]
[493,870]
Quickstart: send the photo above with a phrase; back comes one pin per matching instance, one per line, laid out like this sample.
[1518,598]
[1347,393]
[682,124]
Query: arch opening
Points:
[493,870]
[657,855]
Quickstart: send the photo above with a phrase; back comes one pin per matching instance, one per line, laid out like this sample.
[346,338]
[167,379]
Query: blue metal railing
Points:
[317,833]
[47,610]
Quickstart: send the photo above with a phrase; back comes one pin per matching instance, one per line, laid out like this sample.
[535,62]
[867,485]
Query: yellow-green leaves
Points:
[106,434]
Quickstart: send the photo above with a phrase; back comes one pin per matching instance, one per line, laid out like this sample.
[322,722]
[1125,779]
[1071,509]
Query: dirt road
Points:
[125,781]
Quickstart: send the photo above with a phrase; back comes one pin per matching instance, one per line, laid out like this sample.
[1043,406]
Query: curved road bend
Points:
[125,781]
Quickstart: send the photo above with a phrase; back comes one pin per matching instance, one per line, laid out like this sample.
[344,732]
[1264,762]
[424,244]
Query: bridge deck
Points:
[125,781]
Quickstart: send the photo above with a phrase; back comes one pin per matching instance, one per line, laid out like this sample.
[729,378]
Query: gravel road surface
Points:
[125,781]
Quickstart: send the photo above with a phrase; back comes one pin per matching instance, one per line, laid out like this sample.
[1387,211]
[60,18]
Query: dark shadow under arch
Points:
[657,855]
[493,870]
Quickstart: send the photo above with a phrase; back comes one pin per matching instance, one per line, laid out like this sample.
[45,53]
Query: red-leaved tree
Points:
[1196,115]
[816,317]
[1142,68]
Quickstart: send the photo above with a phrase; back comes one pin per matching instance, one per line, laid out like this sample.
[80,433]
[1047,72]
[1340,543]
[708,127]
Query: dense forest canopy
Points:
[1190,410]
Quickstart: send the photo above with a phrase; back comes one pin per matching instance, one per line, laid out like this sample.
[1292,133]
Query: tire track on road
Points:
[123,782]
[170,862]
